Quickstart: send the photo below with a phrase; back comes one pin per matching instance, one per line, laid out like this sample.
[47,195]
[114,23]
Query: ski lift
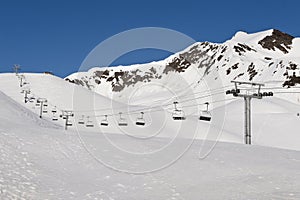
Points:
[89,123]
[104,122]
[81,120]
[45,108]
[177,114]
[122,121]
[37,103]
[54,116]
[205,115]
[54,109]
[69,123]
[140,121]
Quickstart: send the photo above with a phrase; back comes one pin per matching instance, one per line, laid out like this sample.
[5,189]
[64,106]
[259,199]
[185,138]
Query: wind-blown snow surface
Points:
[39,161]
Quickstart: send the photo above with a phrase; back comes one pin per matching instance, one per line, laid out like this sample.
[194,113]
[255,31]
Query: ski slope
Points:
[275,120]
[41,161]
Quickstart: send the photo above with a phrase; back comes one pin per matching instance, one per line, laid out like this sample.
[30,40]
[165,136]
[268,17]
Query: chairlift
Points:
[54,110]
[54,117]
[45,110]
[140,121]
[205,115]
[122,121]
[69,123]
[104,122]
[45,107]
[38,103]
[89,123]
[81,120]
[178,114]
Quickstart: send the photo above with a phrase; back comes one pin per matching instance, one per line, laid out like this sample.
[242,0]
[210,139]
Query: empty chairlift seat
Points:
[45,108]
[54,114]
[104,122]
[177,113]
[205,114]
[140,121]
[81,120]
[89,123]
[122,121]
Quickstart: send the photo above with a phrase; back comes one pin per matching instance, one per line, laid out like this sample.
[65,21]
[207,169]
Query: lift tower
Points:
[254,91]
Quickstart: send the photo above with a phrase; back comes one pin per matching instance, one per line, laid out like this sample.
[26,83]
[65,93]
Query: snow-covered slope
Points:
[43,162]
[226,125]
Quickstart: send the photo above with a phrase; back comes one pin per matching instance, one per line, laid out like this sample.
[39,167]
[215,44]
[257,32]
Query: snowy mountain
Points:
[165,158]
[271,57]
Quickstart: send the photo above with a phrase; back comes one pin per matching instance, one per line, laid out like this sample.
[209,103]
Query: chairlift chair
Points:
[54,117]
[45,110]
[178,114]
[81,120]
[122,121]
[54,111]
[69,123]
[205,115]
[104,122]
[140,121]
[89,123]
[37,103]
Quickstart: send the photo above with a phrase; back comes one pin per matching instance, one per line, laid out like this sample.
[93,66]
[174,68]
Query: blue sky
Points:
[52,35]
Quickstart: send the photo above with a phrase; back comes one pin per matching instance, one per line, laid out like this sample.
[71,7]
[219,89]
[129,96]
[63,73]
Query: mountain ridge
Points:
[269,55]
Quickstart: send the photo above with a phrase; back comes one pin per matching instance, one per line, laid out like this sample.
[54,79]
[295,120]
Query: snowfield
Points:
[39,160]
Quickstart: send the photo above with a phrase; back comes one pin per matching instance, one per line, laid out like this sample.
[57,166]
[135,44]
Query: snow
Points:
[252,38]
[46,163]
[165,159]
[39,160]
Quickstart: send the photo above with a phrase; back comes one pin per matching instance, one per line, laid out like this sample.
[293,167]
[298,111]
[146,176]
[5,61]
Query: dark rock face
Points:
[242,48]
[177,65]
[291,80]
[251,71]
[281,41]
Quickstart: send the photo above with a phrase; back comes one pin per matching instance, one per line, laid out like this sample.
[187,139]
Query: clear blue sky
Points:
[52,35]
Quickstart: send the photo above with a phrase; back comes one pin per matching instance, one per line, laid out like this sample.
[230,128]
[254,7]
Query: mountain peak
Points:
[279,40]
